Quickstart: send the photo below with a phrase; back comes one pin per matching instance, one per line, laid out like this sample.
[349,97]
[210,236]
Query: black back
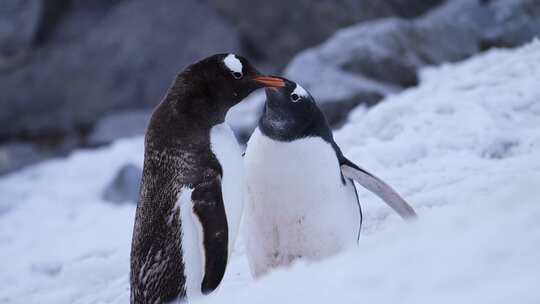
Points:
[177,155]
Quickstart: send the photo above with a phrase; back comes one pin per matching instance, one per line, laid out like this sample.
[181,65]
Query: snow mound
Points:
[59,242]
[463,148]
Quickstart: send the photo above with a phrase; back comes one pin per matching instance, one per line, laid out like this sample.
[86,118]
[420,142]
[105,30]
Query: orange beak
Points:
[271,82]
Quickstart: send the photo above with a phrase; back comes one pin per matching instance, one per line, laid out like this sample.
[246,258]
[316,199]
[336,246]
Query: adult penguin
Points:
[301,199]
[190,202]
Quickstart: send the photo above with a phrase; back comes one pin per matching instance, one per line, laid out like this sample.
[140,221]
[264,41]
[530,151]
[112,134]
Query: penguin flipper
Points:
[208,207]
[378,187]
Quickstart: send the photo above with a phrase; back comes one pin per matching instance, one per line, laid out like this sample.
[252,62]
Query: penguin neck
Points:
[280,125]
[189,101]
[184,115]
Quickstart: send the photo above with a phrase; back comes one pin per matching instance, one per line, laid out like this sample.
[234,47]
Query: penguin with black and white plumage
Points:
[190,201]
[301,199]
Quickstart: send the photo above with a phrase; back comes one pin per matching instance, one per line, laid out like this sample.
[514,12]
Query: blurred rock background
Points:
[77,73]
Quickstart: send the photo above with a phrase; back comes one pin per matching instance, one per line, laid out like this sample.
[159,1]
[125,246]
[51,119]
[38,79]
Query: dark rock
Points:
[276,30]
[336,112]
[65,21]
[125,185]
[124,57]
[19,23]
[118,125]
[17,155]
[365,62]
[51,14]
[14,156]
[493,23]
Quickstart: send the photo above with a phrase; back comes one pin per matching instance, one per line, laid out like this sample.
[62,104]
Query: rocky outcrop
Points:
[125,185]
[365,62]
[19,23]
[121,124]
[105,56]
[276,30]
[16,155]
[68,67]
[19,154]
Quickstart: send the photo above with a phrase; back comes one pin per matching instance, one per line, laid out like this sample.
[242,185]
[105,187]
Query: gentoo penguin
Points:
[190,200]
[301,200]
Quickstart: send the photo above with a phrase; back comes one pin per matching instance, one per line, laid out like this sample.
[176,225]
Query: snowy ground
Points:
[463,148]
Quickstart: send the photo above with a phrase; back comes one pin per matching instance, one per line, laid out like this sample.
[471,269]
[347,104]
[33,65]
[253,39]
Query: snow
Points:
[59,242]
[463,148]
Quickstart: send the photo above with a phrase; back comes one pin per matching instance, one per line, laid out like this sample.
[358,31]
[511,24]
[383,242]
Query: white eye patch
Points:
[233,63]
[298,93]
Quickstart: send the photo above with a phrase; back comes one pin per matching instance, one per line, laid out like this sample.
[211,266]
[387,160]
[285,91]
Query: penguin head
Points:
[289,110]
[226,79]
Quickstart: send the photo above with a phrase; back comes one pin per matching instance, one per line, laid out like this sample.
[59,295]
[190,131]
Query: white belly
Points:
[229,154]
[192,245]
[297,205]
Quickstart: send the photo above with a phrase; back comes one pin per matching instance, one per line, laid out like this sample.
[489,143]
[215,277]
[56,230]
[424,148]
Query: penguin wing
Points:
[378,187]
[209,209]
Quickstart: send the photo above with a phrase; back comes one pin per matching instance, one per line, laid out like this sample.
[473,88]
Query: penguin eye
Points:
[237,75]
[295,97]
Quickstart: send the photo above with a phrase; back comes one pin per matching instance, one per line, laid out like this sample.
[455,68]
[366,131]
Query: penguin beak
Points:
[270,82]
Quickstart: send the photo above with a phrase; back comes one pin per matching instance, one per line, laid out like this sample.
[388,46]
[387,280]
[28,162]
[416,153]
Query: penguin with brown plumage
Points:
[190,202]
